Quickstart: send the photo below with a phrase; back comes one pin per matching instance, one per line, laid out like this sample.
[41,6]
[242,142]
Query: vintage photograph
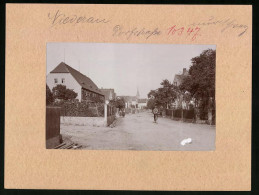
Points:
[144,97]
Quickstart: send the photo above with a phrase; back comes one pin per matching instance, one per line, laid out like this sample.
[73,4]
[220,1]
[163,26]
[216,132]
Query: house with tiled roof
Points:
[109,94]
[131,101]
[178,78]
[63,74]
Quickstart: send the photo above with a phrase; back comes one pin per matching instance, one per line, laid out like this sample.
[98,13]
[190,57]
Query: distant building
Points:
[178,78]
[130,101]
[108,93]
[63,74]
[134,101]
[142,103]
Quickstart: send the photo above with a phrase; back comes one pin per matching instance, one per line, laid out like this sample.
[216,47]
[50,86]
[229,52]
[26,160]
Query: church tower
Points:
[137,96]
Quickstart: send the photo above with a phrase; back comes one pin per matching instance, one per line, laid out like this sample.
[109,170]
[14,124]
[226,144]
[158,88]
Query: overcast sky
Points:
[125,67]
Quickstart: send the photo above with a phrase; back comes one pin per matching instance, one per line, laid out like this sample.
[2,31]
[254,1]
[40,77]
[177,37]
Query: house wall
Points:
[70,82]
[142,105]
[87,95]
[109,94]
[134,103]
[176,82]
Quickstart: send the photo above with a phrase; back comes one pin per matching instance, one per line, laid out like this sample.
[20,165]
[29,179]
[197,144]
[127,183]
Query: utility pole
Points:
[64,55]
[79,65]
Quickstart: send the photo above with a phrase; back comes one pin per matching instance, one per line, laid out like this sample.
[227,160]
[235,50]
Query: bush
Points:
[49,96]
[80,109]
[61,92]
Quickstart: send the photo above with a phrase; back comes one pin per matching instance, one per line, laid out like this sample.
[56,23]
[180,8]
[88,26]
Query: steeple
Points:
[137,96]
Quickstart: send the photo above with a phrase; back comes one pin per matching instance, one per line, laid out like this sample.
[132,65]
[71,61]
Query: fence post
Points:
[210,116]
[105,112]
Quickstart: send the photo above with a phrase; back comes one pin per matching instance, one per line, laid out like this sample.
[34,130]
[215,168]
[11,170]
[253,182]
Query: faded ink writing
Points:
[226,23]
[59,18]
[119,31]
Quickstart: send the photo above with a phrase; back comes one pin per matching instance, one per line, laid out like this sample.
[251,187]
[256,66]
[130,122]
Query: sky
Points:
[125,67]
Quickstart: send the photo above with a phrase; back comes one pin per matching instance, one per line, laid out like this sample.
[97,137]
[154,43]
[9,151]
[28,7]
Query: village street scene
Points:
[150,97]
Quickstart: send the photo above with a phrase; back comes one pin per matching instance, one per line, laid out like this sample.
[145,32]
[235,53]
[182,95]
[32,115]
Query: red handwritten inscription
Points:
[193,32]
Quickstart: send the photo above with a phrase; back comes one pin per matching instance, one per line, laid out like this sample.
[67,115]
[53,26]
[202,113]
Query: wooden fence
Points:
[190,116]
[111,110]
[53,137]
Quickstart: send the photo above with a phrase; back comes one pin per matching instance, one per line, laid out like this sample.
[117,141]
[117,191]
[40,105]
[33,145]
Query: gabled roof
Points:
[82,80]
[61,68]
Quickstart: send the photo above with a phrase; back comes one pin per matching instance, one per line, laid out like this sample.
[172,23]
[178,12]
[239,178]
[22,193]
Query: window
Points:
[56,80]
[63,80]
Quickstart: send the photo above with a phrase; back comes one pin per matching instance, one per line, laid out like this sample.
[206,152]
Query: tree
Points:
[164,95]
[61,92]
[151,103]
[118,103]
[49,96]
[201,82]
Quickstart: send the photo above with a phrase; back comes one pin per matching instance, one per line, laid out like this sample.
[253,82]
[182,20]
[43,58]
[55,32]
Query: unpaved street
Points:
[138,132]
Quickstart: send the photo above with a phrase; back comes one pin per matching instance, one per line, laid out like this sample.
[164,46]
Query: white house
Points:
[63,74]
[131,101]
[142,103]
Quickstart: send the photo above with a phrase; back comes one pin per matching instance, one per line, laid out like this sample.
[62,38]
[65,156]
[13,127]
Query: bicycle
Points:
[155,112]
[155,118]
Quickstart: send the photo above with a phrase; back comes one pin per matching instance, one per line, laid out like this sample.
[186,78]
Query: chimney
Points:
[184,71]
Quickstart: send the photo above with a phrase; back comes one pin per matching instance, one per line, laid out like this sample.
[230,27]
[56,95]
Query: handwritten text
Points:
[59,18]
[193,32]
[226,23]
[142,32]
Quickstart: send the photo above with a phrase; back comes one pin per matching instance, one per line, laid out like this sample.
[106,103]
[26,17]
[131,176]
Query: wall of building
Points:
[70,82]
[109,93]
[88,95]
[142,105]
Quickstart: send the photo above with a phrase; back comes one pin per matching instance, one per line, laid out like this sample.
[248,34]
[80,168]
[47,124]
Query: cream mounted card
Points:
[128,97]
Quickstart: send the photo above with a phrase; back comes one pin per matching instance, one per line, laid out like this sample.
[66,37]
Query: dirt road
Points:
[138,132]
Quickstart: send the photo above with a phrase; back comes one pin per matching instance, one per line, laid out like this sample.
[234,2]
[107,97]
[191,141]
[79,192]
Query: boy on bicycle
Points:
[155,112]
